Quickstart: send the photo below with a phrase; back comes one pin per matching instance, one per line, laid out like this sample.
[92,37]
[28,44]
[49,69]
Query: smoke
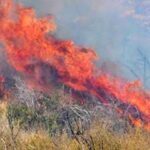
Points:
[102,25]
[6,69]
[94,20]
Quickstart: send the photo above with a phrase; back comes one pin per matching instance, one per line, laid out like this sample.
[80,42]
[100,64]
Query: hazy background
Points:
[119,31]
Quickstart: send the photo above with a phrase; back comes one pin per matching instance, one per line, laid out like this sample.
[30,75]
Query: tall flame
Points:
[37,54]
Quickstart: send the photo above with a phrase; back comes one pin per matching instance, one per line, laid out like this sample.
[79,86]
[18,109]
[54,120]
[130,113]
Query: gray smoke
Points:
[114,28]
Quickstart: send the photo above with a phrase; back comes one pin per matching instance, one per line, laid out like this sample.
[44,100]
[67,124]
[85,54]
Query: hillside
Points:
[56,95]
[46,127]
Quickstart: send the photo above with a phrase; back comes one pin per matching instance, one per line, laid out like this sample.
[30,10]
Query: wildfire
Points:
[33,51]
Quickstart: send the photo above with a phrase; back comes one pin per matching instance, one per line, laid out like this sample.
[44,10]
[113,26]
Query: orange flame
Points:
[36,53]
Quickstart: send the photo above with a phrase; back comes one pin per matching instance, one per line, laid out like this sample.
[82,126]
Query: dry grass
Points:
[98,137]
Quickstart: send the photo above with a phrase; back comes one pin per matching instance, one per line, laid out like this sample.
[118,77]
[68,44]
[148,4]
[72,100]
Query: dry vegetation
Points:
[13,136]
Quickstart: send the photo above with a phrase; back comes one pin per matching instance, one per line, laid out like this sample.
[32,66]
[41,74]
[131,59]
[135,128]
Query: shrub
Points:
[30,118]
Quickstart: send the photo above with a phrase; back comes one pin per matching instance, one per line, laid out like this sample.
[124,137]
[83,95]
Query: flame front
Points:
[47,61]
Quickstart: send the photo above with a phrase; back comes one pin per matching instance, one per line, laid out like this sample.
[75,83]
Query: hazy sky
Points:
[116,29]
